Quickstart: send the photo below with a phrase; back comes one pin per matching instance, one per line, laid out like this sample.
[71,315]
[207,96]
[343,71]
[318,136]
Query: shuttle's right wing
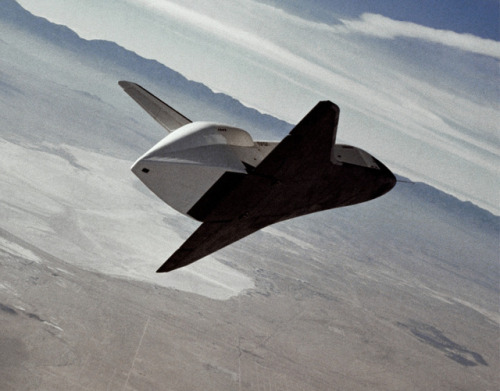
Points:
[165,115]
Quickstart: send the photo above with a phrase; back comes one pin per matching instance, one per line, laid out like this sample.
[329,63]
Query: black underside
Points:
[296,178]
[225,185]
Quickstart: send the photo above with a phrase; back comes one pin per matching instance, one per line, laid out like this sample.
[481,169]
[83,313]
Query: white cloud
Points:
[383,27]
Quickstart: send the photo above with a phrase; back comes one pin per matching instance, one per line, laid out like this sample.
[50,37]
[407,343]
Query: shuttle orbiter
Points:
[219,175]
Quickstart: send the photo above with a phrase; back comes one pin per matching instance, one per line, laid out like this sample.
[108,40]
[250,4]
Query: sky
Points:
[417,83]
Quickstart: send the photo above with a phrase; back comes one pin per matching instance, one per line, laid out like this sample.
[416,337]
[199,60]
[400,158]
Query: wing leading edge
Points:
[298,177]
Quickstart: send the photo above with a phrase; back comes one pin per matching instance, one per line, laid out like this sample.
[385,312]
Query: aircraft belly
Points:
[258,201]
[279,198]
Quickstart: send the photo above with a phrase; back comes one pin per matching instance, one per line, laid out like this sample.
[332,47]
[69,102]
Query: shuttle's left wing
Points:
[165,115]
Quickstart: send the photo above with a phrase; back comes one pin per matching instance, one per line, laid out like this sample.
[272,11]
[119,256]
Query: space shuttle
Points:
[217,174]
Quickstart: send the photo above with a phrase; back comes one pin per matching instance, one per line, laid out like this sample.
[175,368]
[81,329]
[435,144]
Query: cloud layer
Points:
[421,99]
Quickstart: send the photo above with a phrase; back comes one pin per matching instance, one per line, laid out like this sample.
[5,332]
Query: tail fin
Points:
[165,115]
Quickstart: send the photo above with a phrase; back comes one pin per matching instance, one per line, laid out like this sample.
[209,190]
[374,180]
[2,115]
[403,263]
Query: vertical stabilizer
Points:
[165,115]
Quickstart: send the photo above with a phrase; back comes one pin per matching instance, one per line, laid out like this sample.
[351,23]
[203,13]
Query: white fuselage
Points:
[186,163]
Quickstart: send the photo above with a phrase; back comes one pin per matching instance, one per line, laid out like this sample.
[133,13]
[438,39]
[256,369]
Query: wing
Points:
[266,195]
[165,115]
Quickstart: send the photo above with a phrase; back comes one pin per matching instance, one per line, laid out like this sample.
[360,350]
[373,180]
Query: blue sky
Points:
[417,83]
[478,17]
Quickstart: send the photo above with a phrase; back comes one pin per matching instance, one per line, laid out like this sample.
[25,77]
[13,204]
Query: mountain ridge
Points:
[120,57]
